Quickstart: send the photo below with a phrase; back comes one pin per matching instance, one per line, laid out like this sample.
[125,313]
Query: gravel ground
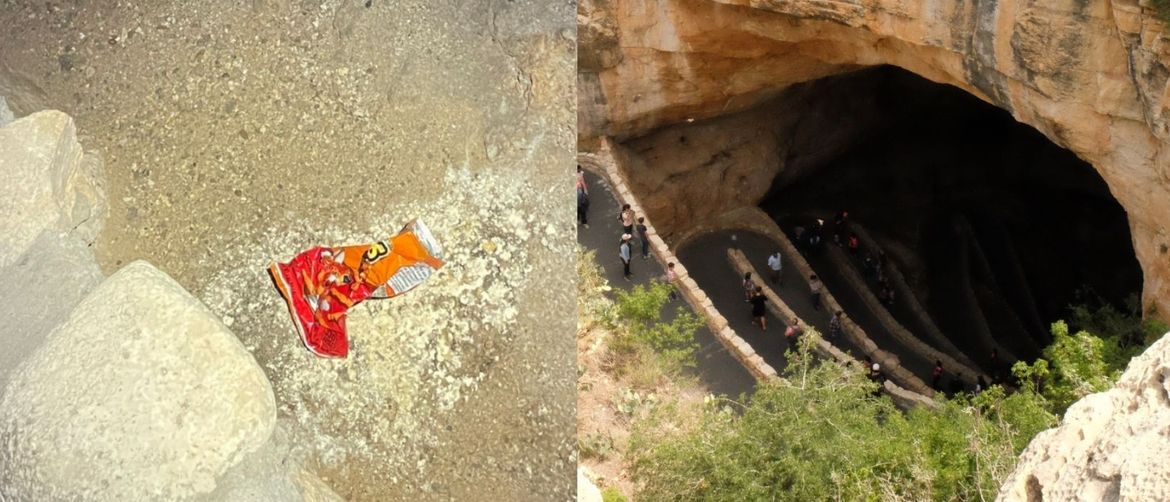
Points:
[236,133]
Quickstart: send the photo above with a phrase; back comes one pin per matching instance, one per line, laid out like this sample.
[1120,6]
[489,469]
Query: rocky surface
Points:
[141,394]
[49,183]
[53,275]
[238,133]
[6,114]
[1110,446]
[1090,76]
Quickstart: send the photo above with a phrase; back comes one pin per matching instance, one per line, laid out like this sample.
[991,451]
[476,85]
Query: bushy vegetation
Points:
[674,341]
[1090,359]
[1161,9]
[824,436]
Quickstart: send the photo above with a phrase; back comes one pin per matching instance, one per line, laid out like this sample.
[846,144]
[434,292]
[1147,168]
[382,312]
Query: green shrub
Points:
[611,494]
[822,436]
[640,309]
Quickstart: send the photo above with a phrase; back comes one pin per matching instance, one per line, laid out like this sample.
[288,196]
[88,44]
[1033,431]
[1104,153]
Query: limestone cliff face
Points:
[1110,446]
[1091,76]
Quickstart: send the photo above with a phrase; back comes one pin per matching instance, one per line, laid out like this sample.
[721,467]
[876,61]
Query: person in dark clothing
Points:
[957,386]
[854,244]
[835,325]
[981,384]
[749,287]
[583,208]
[839,226]
[641,228]
[759,309]
[936,375]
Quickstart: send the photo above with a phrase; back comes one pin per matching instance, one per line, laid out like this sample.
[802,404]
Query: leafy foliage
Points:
[640,309]
[821,435]
[611,494]
[1161,9]
[1077,364]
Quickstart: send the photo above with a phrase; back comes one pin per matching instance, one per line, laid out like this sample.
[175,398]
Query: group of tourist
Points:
[633,229]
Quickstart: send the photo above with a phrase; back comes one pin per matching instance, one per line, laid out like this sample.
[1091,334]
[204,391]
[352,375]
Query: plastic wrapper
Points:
[321,284]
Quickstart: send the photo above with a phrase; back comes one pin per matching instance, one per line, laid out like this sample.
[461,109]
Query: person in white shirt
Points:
[774,266]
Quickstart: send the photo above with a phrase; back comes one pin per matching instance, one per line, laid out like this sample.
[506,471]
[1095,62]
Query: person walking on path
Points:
[759,309]
[583,207]
[774,265]
[814,285]
[854,244]
[581,186]
[835,325]
[627,219]
[624,253]
[748,287]
[641,228]
[793,332]
[936,375]
[671,278]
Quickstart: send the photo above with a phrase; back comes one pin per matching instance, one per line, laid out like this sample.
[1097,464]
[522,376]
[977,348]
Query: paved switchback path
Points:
[706,259]
[717,368]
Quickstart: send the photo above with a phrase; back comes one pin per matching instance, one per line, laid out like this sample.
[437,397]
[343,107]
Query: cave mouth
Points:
[987,219]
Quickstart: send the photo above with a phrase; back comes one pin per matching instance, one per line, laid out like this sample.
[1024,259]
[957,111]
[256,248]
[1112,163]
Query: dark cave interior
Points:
[990,222]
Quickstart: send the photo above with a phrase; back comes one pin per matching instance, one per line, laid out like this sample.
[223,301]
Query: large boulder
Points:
[142,394]
[273,473]
[54,274]
[1110,445]
[49,183]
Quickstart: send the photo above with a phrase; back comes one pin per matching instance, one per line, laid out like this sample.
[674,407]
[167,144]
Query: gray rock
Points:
[46,183]
[6,114]
[53,276]
[142,394]
[273,473]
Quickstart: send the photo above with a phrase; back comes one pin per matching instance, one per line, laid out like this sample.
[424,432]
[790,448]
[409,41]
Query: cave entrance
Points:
[993,226]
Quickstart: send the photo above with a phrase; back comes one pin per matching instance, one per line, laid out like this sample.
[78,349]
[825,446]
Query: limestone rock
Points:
[273,473]
[54,275]
[586,490]
[6,115]
[1091,76]
[1110,445]
[142,394]
[47,183]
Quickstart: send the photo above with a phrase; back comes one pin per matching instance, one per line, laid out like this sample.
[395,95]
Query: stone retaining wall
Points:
[892,326]
[826,349]
[905,294]
[604,164]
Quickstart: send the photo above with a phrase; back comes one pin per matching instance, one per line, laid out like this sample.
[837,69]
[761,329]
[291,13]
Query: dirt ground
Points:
[614,396]
[237,133]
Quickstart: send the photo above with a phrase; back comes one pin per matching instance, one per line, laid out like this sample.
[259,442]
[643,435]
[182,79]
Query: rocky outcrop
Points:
[50,183]
[54,274]
[142,394]
[1091,76]
[1110,446]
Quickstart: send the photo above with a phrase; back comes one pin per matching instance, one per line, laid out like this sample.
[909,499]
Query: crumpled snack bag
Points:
[321,284]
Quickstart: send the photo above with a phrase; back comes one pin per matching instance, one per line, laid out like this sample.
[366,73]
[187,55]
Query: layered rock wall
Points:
[1091,76]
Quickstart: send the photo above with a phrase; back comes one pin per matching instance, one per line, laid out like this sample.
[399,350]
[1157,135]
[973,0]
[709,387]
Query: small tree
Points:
[641,310]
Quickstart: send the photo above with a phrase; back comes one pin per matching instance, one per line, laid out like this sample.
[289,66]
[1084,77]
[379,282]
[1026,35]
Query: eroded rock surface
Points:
[1090,76]
[1110,446]
[49,182]
[142,394]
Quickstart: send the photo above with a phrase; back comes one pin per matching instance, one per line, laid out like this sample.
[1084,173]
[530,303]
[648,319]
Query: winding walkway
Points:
[717,369]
